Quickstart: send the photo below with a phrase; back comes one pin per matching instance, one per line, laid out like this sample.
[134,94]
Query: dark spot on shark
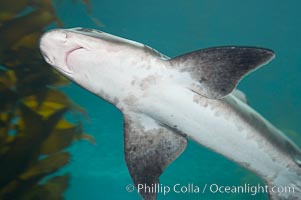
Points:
[115,100]
[148,81]
[133,149]
[202,79]
[151,141]
[130,100]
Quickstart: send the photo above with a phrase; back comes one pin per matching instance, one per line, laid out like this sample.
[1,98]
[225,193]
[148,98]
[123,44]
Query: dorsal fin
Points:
[218,70]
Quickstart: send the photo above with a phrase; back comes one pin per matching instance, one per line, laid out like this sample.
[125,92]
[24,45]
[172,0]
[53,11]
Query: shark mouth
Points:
[68,54]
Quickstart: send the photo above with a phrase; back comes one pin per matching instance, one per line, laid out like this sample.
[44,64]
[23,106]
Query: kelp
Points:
[34,131]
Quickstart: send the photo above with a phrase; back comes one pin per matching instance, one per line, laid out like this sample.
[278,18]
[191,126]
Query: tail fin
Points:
[286,186]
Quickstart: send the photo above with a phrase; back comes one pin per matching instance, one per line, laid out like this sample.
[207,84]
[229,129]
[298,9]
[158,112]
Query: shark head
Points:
[88,56]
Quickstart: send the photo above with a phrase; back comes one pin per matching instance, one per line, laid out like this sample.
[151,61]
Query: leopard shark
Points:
[166,101]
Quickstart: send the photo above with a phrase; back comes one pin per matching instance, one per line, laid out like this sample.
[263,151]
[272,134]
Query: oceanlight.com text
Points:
[249,189]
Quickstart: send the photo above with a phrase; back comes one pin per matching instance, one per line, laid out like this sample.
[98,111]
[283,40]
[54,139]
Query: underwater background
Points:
[176,27]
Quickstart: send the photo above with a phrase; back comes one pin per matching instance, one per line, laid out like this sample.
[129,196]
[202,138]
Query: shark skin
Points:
[167,101]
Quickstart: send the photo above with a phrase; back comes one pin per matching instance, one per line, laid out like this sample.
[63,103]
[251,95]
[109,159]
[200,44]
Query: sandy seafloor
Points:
[175,27]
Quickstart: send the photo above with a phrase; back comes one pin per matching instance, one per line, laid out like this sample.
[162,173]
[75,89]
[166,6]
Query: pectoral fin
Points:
[218,70]
[149,149]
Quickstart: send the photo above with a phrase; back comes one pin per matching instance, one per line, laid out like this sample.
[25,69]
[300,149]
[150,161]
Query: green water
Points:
[175,27]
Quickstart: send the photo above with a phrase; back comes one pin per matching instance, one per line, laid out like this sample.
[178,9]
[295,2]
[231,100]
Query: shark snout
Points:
[55,47]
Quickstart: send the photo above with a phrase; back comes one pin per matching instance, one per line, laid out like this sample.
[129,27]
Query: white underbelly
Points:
[216,125]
